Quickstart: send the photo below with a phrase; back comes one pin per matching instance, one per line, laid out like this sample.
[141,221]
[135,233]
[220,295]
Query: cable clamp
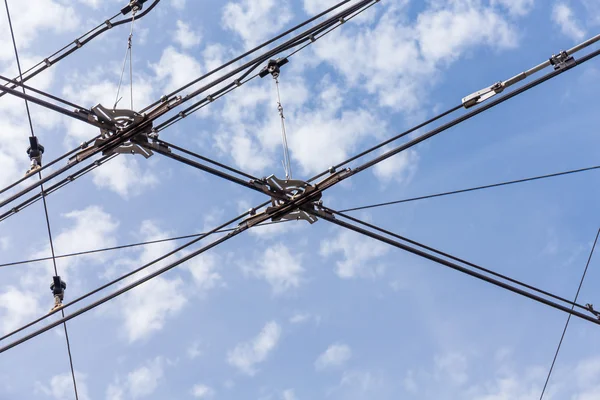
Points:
[482,95]
[273,67]
[134,5]
[590,308]
[562,60]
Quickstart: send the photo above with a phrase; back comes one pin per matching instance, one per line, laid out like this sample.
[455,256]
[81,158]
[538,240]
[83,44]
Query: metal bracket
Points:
[134,5]
[116,119]
[562,60]
[35,152]
[273,67]
[482,95]
[590,308]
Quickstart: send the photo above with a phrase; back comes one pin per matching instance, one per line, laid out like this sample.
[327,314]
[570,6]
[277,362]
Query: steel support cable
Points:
[204,168]
[48,165]
[460,260]
[242,81]
[477,111]
[55,186]
[569,317]
[127,53]
[3,203]
[203,158]
[12,34]
[248,67]
[46,94]
[457,267]
[251,51]
[138,282]
[31,201]
[77,44]
[472,189]
[128,246]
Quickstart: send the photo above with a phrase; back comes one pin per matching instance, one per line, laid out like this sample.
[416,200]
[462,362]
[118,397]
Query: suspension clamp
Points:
[301,199]
[58,287]
[273,67]
[562,60]
[134,5]
[34,151]
[590,308]
[482,95]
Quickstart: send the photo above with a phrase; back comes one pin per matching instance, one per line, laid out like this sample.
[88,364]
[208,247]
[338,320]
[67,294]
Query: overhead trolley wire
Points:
[472,189]
[470,264]
[457,267]
[47,217]
[128,246]
[77,44]
[569,317]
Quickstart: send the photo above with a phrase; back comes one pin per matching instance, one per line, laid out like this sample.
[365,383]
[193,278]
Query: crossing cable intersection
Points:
[291,206]
[339,176]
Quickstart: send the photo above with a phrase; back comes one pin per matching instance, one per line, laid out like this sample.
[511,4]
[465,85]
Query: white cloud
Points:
[175,69]
[61,387]
[115,392]
[280,268]
[178,4]
[203,269]
[255,20]
[317,6]
[4,243]
[399,168]
[143,381]
[124,176]
[451,367]
[245,356]
[516,7]
[359,253]
[563,16]
[299,318]
[336,355]
[288,395]
[368,57]
[194,351]
[185,36]
[201,391]
[18,307]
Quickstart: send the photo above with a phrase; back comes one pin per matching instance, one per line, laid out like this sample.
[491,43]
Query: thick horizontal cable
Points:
[248,67]
[494,185]
[240,82]
[127,246]
[477,111]
[77,44]
[470,264]
[50,96]
[127,288]
[203,167]
[51,106]
[52,188]
[31,201]
[457,267]
[251,51]
[203,158]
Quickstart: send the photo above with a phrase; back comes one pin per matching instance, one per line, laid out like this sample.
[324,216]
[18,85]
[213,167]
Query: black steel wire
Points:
[494,185]
[569,317]
[43,198]
[457,267]
[127,246]
[470,264]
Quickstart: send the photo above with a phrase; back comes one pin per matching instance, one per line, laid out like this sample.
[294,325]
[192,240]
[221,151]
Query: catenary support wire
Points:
[43,197]
[562,336]
[473,189]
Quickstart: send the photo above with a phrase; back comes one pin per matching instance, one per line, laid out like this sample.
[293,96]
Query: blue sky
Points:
[295,311]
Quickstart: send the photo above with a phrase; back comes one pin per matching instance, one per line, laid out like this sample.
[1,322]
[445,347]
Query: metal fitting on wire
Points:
[35,152]
[58,287]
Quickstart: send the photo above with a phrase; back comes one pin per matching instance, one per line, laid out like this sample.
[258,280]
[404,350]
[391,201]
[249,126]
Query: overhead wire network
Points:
[289,199]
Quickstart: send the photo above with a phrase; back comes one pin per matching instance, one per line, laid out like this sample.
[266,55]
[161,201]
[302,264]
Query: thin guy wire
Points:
[287,166]
[12,34]
[127,246]
[127,52]
[430,196]
[569,317]
[43,196]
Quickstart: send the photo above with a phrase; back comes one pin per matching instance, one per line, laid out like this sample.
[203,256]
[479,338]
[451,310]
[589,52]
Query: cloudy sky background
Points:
[295,311]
